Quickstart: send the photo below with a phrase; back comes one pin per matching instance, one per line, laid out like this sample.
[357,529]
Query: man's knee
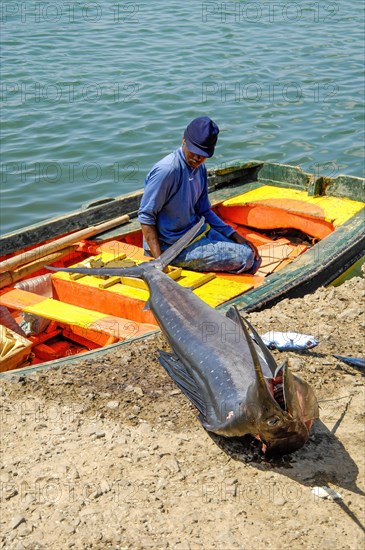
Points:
[252,264]
[247,261]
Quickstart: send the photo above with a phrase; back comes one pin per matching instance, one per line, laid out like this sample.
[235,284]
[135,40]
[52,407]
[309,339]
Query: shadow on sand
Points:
[323,461]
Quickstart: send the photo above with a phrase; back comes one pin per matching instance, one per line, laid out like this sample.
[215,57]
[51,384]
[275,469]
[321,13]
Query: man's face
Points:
[192,159]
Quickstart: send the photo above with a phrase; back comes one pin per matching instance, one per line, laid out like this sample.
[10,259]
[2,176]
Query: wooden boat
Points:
[309,232]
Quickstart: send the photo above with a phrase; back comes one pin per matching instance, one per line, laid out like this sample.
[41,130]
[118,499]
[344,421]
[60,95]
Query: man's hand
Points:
[237,238]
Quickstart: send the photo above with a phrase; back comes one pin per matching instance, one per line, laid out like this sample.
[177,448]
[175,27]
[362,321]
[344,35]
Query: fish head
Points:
[285,440]
[281,411]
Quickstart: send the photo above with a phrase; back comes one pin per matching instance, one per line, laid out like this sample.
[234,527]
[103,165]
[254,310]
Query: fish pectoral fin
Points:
[176,369]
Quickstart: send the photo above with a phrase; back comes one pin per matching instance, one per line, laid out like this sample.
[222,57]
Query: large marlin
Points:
[234,382]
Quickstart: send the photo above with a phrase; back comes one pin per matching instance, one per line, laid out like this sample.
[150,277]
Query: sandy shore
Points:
[110,454]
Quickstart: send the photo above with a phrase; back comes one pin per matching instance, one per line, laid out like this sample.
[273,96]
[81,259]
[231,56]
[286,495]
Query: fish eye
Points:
[273,421]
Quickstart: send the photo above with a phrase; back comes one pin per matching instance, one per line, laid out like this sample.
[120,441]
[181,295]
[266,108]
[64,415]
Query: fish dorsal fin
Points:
[268,357]
[234,315]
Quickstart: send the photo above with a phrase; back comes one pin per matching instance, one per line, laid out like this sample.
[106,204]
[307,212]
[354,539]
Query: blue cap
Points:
[201,136]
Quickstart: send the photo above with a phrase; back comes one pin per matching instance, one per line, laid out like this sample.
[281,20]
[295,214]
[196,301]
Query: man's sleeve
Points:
[203,208]
[157,185]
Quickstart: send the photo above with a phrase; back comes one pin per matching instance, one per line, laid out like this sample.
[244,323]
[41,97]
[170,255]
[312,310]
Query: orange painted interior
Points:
[103,300]
[268,217]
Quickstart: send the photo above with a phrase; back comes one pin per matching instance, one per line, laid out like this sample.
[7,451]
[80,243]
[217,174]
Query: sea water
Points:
[94,93]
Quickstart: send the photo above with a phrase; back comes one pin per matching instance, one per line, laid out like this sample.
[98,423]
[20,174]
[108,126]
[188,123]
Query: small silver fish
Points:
[289,341]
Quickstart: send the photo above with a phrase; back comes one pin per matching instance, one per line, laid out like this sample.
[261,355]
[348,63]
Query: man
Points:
[175,199]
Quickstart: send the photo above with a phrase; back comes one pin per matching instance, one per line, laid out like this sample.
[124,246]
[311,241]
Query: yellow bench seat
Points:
[76,316]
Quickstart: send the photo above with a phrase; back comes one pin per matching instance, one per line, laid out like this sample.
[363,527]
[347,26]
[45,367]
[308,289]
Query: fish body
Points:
[231,380]
[358,362]
[211,361]
[289,341]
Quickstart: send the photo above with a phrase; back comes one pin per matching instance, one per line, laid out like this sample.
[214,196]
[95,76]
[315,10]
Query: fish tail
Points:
[139,270]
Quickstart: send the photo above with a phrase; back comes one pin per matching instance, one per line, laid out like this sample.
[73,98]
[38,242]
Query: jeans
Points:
[215,252]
